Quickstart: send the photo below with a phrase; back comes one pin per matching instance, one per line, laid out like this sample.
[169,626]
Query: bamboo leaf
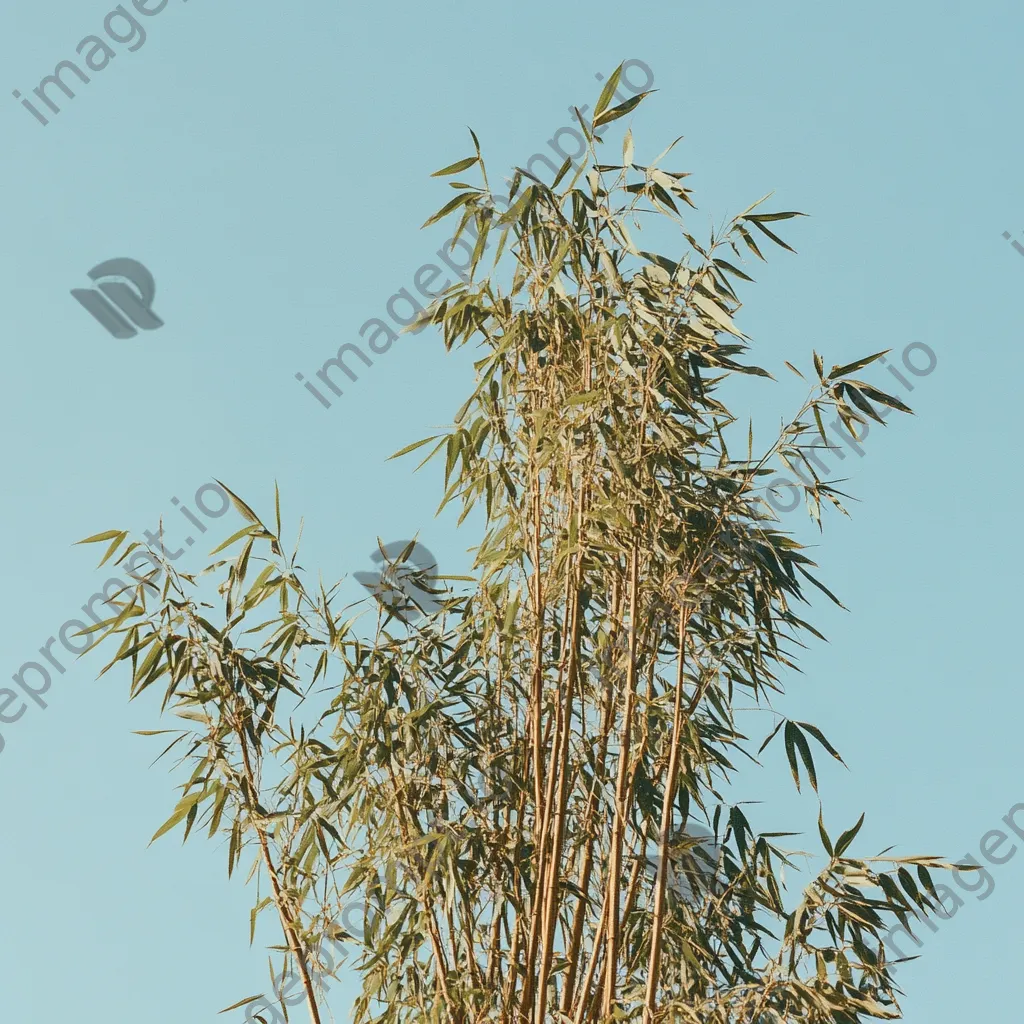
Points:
[842,371]
[185,804]
[621,110]
[459,165]
[453,204]
[844,841]
[241,1002]
[607,92]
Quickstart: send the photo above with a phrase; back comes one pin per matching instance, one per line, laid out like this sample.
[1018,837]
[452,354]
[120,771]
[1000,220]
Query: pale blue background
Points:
[270,165]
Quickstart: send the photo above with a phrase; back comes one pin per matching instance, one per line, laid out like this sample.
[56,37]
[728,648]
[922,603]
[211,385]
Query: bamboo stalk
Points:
[619,825]
[288,923]
[572,954]
[658,917]
[551,895]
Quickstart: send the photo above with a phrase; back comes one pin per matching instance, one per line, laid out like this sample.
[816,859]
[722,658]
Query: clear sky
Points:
[269,164]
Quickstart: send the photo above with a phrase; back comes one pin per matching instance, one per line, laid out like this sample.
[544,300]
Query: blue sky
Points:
[270,165]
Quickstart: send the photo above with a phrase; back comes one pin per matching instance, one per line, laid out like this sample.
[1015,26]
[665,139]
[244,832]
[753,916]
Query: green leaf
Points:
[562,171]
[883,398]
[771,234]
[454,204]
[607,92]
[843,843]
[245,531]
[459,165]
[734,270]
[751,244]
[185,804]
[825,841]
[861,402]
[790,736]
[820,737]
[114,545]
[582,122]
[243,509]
[909,885]
[106,535]
[412,447]
[758,218]
[821,586]
[771,735]
[621,110]
[842,371]
[926,881]
[795,739]
[891,890]
[241,1002]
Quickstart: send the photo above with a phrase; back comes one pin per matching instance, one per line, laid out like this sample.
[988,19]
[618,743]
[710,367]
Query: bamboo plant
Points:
[631,590]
